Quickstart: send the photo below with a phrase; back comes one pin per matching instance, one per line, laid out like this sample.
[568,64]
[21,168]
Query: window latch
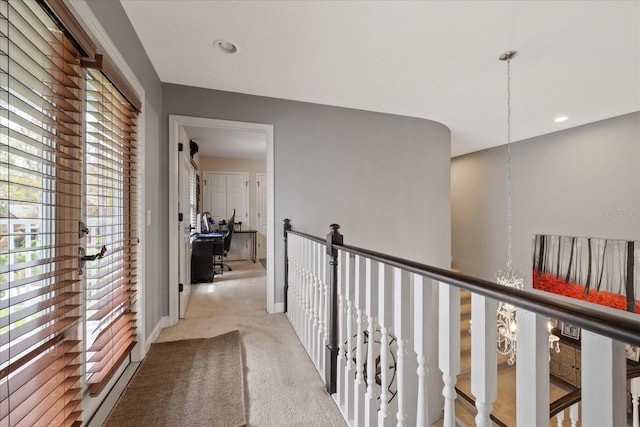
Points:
[83,257]
[83,230]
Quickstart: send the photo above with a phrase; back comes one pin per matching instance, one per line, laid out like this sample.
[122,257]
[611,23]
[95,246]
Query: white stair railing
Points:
[635,396]
[392,323]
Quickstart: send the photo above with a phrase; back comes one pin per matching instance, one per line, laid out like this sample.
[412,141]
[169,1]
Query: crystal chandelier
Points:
[507,326]
[506,322]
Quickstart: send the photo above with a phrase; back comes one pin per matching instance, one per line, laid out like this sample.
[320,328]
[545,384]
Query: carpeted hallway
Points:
[282,386]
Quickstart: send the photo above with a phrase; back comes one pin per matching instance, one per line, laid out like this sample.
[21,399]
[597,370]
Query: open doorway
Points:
[195,125]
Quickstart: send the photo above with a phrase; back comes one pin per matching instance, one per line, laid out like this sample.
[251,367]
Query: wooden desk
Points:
[203,248]
[253,237]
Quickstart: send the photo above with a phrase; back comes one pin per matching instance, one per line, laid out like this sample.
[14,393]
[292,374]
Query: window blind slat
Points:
[21,393]
[47,359]
[124,321]
[111,282]
[101,381]
[40,166]
[26,343]
[23,296]
[103,308]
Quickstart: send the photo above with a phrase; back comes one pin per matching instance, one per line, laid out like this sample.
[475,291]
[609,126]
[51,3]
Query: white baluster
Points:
[574,414]
[360,283]
[532,369]
[359,382]
[385,318]
[449,347]
[424,318]
[304,296]
[349,392]
[293,282]
[402,327]
[322,308]
[371,305]
[295,296]
[293,290]
[300,293]
[326,311]
[560,418]
[316,307]
[635,395]
[401,416]
[312,301]
[342,349]
[604,383]
[291,266]
[484,363]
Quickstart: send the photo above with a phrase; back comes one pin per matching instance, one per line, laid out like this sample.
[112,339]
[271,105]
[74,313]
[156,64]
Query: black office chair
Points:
[227,244]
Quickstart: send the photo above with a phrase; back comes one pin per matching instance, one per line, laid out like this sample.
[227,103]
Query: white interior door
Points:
[224,192]
[237,185]
[261,179]
[214,197]
[184,246]
[237,198]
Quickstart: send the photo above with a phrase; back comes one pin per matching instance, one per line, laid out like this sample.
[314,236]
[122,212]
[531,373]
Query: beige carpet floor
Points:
[283,387]
[195,382]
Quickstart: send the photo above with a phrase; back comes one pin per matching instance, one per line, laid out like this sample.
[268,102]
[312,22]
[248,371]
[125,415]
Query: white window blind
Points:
[193,196]
[40,177]
[111,213]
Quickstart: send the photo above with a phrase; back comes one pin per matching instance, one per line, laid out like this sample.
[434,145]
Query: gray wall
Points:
[583,182]
[115,22]
[383,178]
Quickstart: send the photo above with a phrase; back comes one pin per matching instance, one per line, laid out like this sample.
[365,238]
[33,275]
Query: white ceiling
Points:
[232,143]
[431,59]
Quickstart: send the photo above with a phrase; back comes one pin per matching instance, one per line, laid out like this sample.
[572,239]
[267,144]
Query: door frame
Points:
[257,203]
[175,121]
[184,249]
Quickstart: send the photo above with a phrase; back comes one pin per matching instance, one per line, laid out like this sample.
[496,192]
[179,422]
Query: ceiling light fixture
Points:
[226,46]
[507,328]
[560,119]
[506,320]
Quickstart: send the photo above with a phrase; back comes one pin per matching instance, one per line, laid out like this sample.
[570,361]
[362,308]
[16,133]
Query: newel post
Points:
[287,227]
[333,238]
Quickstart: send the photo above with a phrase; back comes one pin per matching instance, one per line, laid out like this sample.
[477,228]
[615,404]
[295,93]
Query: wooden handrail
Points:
[604,321]
[564,402]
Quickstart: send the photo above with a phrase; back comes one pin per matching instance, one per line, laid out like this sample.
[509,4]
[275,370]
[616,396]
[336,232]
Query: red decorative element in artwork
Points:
[550,283]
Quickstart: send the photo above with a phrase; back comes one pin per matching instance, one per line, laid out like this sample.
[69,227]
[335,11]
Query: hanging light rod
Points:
[510,54]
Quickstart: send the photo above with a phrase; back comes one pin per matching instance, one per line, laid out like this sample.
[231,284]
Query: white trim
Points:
[163,323]
[175,121]
[271,218]
[278,308]
[101,412]
[85,15]
[97,409]
[91,24]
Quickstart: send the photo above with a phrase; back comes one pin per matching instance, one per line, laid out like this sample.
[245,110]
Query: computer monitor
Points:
[204,226]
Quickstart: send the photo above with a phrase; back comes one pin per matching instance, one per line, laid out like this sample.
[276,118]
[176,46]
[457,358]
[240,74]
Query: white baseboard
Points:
[101,413]
[278,307]
[163,323]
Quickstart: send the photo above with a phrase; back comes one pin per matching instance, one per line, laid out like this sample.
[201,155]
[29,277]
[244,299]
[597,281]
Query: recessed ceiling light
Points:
[226,46]
[561,119]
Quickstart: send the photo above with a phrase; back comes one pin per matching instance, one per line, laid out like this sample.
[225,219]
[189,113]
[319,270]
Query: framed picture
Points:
[570,331]
[633,353]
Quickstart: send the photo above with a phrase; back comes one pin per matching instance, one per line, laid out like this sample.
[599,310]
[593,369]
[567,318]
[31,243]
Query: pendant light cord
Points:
[509,256]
